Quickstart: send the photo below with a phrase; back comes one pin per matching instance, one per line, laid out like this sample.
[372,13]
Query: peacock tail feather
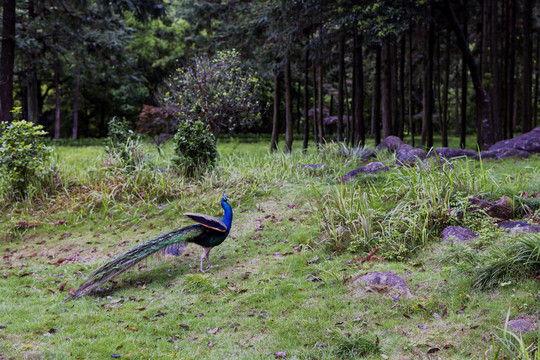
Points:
[133,256]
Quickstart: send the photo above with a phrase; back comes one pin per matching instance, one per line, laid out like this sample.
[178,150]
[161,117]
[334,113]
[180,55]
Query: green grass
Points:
[284,280]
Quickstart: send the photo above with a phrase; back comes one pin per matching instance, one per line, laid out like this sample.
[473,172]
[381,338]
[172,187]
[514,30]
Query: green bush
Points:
[194,147]
[24,158]
[124,144]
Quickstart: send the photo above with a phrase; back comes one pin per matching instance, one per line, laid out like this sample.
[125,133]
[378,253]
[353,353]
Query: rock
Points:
[386,282]
[370,168]
[433,163]
[408,155]
[458,234]
[522,325]
[451,153]
[361,153]
[517,227]
[502,209]
[390,143]
[529,142]
[502,154]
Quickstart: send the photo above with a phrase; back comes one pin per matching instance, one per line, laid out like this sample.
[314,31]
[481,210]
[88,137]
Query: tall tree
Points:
[288,107]
[526,123]
[7,59]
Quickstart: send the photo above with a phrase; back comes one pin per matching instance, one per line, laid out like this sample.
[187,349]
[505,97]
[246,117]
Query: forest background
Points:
[370,69]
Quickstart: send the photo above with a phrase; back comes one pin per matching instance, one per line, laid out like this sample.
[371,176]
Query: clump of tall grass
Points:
[401,213]
[520,258]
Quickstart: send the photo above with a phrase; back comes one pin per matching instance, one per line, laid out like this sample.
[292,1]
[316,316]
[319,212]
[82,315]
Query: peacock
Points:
[208,233]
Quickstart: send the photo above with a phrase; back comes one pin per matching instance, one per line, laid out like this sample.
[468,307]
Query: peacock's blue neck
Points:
[228,215]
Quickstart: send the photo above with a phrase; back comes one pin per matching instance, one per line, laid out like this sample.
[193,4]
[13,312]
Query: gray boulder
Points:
[408,155]
[529,142]
[458,234]
[383,282]
[502,154]
[518,227]
[390,143]
[451,153]
[522,325]
[370,168]
[502,209]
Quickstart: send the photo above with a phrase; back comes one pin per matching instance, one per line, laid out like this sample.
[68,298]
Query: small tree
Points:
[24,158]
[215,91]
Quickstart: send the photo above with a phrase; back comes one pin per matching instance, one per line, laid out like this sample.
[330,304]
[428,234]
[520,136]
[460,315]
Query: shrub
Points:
[194,147]
[216,91]
[123,144]
[24,158]
[157,122]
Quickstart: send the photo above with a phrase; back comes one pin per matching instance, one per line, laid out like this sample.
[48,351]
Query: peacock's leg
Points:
[206,255]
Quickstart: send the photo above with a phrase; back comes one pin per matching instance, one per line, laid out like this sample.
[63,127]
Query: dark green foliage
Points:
[123,144]
[194,147]
[354,346]
[24,158]
[216,91]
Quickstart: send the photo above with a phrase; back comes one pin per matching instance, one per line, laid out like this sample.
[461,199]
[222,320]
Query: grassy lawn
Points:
[283,287]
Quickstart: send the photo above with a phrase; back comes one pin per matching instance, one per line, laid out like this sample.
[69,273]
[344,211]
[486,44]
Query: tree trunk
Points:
[7,60]
[510,69]
[377,98]
[386,86]
[341,80]
[428,88]
[527,66]
[56,100]
[409,85]
[33,108]
[275,118]
[444,118]
[288,108]
[76,103]
[495,73]
[401,110]
[358,92]
[464,92]
[320,123]
[481,93]
[306,100]
[314,112]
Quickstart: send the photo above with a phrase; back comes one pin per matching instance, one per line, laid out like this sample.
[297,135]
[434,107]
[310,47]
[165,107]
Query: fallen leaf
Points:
[433,350]
[132,328]
[213,331]
[184,326]
[280,355]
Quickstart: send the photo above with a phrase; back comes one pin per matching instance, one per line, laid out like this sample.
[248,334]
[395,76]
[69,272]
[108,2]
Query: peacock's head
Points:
[225,197]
